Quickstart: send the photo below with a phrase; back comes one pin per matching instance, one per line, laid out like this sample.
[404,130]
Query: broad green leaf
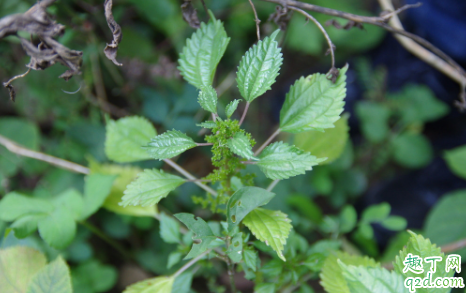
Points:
[27,224]
[456,160]
[53,278]
[231,108]
[348,219]
[250,258]
[372,280]
[58,229]
[306,206]
[15,205]
[18,265]
[208,99]
[169,144]
[259,67]
[329,144]
[125,174]
[173,259]
[240,145]
[271,227]
[243,201]
[183,283]
[394,223]
[264,288]
[150,187]
[411,150]
[313,103]
[94,276]
[126,137]
[374,120]
[417,103]
[155,285]
[202,232]
[331,277]
[70,200]
[207,124]
[365,230]
[422,247]
[279,160]
[96,189]
[376,213]
[443,224]
[202,53]
[169,229]
[235,249]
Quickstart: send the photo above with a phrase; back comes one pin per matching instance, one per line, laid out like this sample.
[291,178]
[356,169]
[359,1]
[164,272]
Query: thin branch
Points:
[246,108]
[266,143]
[273,184]
[447,66]
[256,20]
[389,15]
[204,144]
[454,246]
[189,264]
[331,46]
[189,176]
[20,150]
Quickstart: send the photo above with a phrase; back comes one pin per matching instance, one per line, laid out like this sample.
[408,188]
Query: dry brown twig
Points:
[256,20]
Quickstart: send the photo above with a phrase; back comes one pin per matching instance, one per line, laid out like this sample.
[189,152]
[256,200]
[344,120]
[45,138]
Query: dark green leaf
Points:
[348,219]
[412,150]
[58,229]
[456,159]
[202,53]
[173,259]
[259,67]
[240,145]
[169,144]
[250,258]
[235,248]
[313,103]
[15,205]
[169,229]
[376,213]
[374,120]
[281,161]
[96,189]
[150,187]
[394,223]
[27,224]
[202,232]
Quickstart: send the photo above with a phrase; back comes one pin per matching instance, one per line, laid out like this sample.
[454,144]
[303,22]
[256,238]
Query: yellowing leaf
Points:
[154,285]
[271,227]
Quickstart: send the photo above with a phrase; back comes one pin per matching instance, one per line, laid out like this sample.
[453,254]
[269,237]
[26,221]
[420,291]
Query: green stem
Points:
[231,271]
[105,238]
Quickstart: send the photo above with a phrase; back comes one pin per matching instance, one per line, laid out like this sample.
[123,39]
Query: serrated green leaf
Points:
[332,276]
[125,175]
[442,225]
[422,247]
[208,99]
[271,227]
[376,213]
[394,223]
[169,144]
[456,160]
[329,144]
[202,53]
[125,138]
[259,67]
[53,278]
[231,108]
[348,219]
[155,285]
[58,229]
[235,249]
[169,229]
[372,280]
[202,231]
[207,124]
[150,187]
[15,205]
[279,160]
[250,258]
[240,145]
[411,150]
[18,265]
[96,189]
[313,103]
[243,201]
[374,120]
